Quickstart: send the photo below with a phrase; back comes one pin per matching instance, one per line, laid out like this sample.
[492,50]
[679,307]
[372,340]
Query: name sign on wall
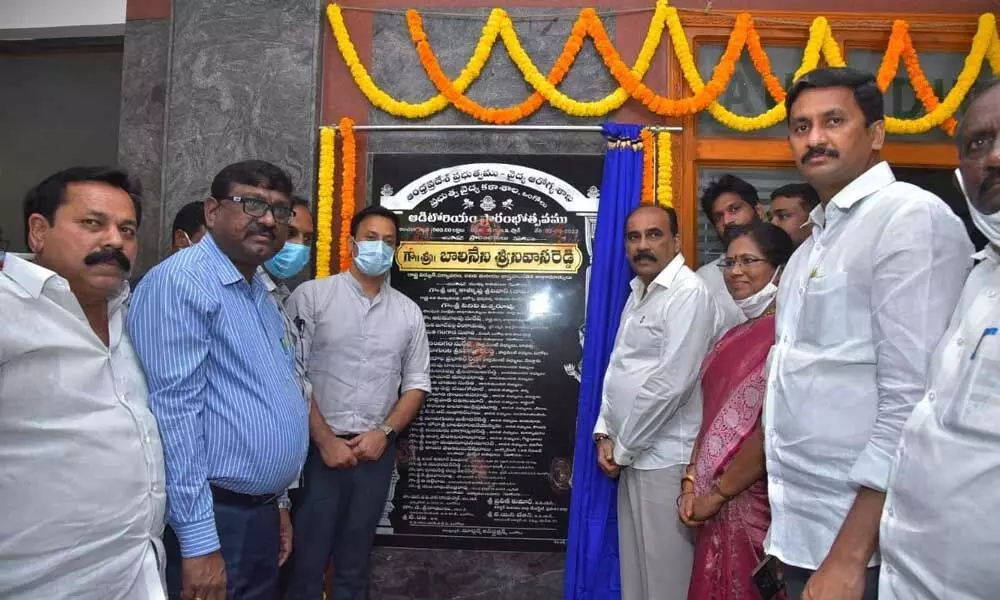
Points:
[496,251]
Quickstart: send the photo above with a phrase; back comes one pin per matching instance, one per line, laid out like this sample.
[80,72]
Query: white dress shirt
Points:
[861,305]
[940,534]
[651,403]
[711,273]
[81,468]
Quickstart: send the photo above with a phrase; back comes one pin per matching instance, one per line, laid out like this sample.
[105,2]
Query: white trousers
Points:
[656,550]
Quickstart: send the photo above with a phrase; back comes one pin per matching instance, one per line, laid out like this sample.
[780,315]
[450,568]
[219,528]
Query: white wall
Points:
[33,19]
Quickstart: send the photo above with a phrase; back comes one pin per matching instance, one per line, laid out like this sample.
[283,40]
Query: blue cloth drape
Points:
[592,548]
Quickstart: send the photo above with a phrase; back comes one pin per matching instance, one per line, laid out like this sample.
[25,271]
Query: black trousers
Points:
[335,516]
[796,579]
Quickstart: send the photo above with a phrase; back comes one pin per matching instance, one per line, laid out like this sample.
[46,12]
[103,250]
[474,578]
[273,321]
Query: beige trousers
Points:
[656,550]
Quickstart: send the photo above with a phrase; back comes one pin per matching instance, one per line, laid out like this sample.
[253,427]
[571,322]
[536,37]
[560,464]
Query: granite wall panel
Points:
[140,129]
[243,84]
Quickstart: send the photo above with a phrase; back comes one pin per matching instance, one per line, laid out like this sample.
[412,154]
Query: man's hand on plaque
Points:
[336,454]
[606,458]
[369,446]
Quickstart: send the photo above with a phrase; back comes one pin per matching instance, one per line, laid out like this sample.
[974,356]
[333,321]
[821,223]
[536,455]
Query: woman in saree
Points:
[724,492]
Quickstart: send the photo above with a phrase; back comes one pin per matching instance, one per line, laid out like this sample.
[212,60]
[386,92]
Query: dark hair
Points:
[373,211]
[772,240]
[671,215]
[46,197]
[803,191]
[864,86]
[299,201]
[190,218]
[728,184]
[978,90]
[255,173]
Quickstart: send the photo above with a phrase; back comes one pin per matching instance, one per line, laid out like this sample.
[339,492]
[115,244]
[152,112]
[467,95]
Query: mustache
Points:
[992,174]
[819,151]
[643,254]
[258,229]
[109,255]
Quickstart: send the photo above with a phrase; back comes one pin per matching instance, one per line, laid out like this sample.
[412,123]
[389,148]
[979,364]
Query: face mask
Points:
[374,257]
[287,263]
[989,225]
[754,305]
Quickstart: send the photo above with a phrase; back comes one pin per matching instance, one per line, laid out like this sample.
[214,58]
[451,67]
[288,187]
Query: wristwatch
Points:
[390,433]
[598,437]
[284,504]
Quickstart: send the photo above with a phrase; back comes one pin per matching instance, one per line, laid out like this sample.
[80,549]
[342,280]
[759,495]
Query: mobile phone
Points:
[765,577]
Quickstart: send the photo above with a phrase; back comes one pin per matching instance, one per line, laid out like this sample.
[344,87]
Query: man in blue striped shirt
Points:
[221,376]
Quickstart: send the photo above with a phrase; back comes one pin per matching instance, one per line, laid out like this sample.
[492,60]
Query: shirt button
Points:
[802,290]
[773,478]
[960,341]
[931,395]
[992,293]
[891,513]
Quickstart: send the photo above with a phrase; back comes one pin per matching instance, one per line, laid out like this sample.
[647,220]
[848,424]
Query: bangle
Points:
[687,477]
[600,437]
[681,495]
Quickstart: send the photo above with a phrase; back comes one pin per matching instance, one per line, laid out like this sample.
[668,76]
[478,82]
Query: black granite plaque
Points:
[496,252]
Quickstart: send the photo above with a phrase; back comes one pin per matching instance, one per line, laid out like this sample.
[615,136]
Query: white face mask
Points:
[988,224]
[754,305]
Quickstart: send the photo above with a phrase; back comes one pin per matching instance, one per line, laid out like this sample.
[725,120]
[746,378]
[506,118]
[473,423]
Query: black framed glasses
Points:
[258,207]
[742,261]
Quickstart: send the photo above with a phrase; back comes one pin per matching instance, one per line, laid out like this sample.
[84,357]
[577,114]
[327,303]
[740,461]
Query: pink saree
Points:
[730,544]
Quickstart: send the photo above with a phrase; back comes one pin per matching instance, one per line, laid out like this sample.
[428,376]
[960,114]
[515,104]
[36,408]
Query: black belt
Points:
[224,496]
[348,436]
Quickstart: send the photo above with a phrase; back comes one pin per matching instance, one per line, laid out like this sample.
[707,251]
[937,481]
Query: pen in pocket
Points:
[986,332]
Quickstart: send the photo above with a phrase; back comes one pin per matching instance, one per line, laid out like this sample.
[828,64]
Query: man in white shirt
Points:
[727,202]
[940,536]
[651,407]
[81,467]
[861,305]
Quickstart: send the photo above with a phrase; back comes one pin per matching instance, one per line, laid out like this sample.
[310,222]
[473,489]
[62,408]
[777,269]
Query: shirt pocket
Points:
[642,336]
[824,320]
[976,404]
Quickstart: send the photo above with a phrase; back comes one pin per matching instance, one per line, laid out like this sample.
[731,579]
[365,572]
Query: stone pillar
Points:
[210,83]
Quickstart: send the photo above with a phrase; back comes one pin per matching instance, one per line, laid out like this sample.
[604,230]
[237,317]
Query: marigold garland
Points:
[324,203]
[986,35]
[648,149]
[664,169]
[499,116]
[986,46]
[349,151]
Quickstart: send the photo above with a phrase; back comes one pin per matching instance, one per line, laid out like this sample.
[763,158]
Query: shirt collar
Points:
[227,271]
[356,286]
[266,279]
[988,253]
[666,276]
[871,181]
[31,277]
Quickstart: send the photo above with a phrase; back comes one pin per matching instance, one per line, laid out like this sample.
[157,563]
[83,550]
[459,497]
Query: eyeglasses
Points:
[258,207]
[742,261]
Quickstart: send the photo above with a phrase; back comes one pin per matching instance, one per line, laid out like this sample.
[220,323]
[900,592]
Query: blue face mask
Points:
[287,263]
[374,257]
